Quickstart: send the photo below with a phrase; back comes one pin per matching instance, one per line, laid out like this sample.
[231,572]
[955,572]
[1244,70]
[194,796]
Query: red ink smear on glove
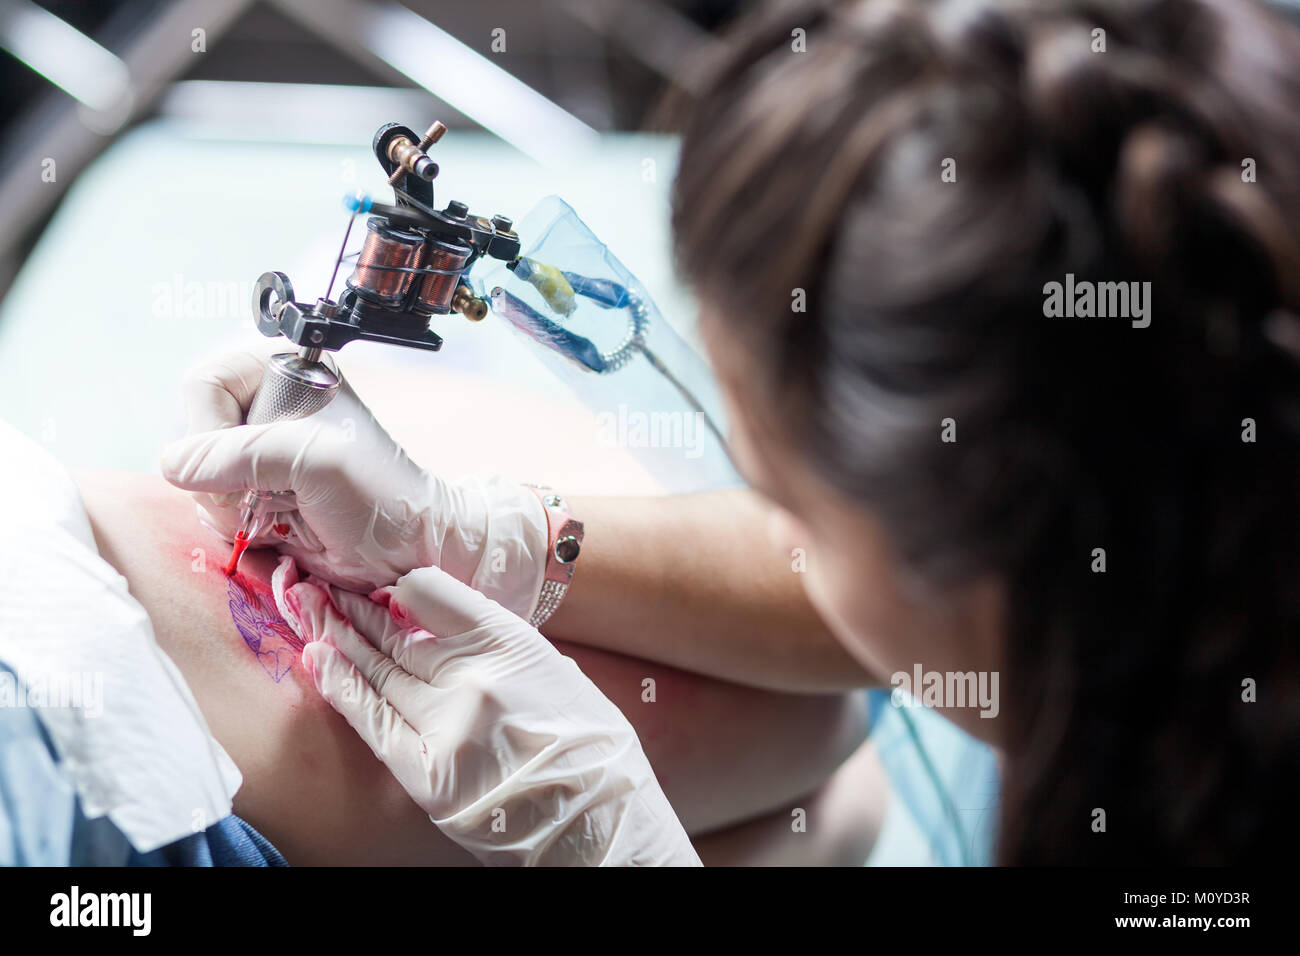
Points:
[337,609]
[282,530]
[295,604]
[400,614]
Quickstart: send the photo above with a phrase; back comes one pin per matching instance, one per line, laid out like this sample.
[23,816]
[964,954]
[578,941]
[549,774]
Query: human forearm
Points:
[693,581]
[723,752]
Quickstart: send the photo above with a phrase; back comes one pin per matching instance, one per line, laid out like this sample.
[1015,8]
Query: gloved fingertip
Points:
[210,522]
[227,499]
[401,614]
[308,659]
[284,577]
[367,618]
[294,604]
[330,671]
[310,609]
[316,662]
[433,599]
[171,460]
[409,646]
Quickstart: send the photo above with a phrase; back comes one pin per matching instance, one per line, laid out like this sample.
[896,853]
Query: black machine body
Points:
[412,264]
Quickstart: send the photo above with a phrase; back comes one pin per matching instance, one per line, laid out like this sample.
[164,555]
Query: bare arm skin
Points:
[694,581]
[723,753]
[837,825]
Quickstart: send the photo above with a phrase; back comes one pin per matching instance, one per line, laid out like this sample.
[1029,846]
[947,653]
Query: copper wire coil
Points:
[383,269]
[437,288]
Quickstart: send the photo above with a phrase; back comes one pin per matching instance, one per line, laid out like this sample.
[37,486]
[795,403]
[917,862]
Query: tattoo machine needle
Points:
[253,520]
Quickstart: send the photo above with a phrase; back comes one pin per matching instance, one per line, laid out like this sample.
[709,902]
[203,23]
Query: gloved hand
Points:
[512,751]
[362,513]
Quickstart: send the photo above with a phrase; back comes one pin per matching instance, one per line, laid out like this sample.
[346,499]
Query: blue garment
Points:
[42,824]
[944,781]
[229,842]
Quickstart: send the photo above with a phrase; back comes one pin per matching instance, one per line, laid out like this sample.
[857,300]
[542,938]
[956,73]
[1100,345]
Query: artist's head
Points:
[873,197]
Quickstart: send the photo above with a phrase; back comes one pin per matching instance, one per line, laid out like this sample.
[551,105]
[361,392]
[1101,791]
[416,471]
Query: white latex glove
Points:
[362,513]
[512,751]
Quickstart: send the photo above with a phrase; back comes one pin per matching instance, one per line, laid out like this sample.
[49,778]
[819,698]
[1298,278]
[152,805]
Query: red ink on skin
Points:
[258,621]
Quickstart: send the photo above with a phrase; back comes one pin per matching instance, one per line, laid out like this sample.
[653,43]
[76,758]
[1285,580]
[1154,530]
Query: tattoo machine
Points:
[411,266]
[414,264]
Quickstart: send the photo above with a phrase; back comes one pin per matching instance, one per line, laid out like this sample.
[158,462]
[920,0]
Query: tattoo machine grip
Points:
[293,386]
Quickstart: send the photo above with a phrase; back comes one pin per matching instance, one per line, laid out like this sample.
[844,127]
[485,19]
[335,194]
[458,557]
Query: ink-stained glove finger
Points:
[370,618]
[467,624]
[443,605]
[308,606]
[390,738]
[321,621]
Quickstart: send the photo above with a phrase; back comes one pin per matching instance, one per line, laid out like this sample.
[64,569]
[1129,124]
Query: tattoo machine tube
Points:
[294,385]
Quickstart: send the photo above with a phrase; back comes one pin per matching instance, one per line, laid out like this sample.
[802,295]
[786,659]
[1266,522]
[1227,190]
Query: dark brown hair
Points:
[1169,153]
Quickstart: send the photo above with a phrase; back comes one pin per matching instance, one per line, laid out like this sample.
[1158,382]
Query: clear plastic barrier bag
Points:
[601,333]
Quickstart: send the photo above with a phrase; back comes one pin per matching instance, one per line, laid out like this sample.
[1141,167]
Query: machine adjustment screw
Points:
[502,223]
[457,209]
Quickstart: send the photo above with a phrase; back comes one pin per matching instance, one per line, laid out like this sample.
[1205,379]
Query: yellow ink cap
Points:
[554,287]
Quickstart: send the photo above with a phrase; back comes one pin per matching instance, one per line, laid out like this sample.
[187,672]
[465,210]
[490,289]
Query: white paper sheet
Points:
[119,712]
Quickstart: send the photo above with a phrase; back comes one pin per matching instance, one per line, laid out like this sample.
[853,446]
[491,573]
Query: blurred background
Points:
[75,75]
[157,156]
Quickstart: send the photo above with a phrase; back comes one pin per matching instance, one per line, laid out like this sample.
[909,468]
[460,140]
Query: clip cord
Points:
[583,351]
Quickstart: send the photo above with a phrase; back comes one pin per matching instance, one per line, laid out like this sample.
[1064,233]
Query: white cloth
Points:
[129,732]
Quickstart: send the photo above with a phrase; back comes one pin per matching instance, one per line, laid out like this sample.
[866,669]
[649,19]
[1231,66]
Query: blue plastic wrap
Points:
[602,334]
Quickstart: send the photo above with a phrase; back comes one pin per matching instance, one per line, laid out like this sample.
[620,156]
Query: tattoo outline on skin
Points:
[259,623]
